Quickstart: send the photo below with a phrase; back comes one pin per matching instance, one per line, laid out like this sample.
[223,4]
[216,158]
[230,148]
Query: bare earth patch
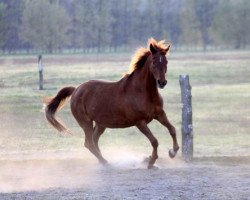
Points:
[35,163]
[125,178]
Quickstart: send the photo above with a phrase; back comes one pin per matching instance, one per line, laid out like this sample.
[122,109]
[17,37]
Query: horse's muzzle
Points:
[162,84]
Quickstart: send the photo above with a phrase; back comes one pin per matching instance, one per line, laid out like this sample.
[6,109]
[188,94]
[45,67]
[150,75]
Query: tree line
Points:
[114,25]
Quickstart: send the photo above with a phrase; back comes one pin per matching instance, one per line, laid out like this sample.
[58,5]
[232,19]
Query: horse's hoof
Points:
[171,153]
[107,166]
[104,162]
[152,167]
[146,160]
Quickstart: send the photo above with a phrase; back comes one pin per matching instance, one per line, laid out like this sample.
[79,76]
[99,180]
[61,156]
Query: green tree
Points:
[204,11]
[84,24]
[91,24]
[126,22]
[104,20]
[45,25]
[173,19]
[2,24]
[12,20]
[190,35]
[232,23]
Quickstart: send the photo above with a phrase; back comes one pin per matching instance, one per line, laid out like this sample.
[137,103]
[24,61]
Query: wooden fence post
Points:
[187,124]
[40,69]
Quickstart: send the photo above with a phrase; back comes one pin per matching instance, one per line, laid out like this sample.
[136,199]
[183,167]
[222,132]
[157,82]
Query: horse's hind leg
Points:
[98,131]
[142,126]
[89,143]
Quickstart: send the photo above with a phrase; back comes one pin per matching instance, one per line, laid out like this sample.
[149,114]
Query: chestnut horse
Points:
[132,101]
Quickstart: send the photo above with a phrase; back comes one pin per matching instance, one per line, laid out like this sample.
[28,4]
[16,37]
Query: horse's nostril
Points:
[162,84]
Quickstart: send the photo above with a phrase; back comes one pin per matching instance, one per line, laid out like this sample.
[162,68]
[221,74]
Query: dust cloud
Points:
[78,175]
[36,171]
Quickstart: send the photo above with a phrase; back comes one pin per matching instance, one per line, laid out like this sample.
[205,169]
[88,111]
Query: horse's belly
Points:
[121,119]
[111,120]
[118,124]
[113,115]
[115,125]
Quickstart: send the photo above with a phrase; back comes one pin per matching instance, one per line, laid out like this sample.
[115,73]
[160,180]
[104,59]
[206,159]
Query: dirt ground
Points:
[125,178]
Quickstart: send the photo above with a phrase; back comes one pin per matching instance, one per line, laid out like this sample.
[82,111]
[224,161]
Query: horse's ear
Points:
[152,49]
[167,49]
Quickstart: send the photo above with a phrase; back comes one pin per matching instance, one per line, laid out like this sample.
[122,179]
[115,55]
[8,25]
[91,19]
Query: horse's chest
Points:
[146,109]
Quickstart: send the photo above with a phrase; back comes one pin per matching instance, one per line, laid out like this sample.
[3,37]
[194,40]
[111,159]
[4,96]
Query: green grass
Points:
[220,94]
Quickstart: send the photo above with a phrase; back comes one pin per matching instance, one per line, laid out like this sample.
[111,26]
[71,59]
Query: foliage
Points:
[98,25]
[91,27]
[11,24]
[44,25]
[204,11]
[232,23]
[2,24]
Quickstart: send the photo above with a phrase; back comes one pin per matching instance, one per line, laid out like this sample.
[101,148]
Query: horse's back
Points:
[92,92]
[98,101]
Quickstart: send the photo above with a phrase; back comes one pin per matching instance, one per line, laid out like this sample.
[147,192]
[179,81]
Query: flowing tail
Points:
[55,103]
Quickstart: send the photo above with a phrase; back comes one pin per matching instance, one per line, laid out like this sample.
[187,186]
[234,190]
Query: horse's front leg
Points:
[142,126]
[162,118]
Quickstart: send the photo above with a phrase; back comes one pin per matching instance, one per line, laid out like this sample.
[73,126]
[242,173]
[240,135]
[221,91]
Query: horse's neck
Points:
[145,80]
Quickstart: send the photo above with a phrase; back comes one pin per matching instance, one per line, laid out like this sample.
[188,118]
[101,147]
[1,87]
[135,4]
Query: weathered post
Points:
[187,124]
[40,69]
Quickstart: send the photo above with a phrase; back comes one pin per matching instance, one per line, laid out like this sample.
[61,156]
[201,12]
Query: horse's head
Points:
[159,61]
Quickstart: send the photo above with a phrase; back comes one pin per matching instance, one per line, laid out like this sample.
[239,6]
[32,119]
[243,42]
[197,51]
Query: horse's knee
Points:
[172,131]
[155,143]
[86,143]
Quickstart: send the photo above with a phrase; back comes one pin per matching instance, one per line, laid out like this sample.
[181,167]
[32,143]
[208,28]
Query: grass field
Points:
[220,90]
